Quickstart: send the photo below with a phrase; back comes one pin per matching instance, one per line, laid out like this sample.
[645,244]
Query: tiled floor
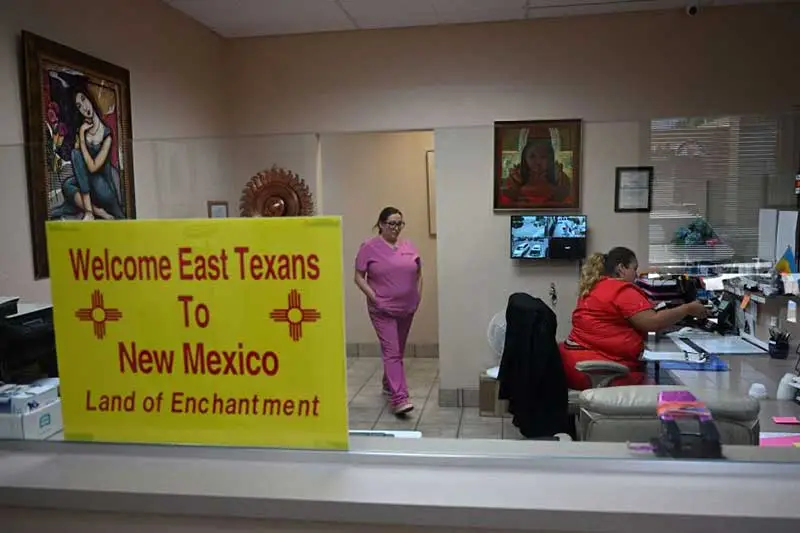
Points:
[368,408]
[369,411]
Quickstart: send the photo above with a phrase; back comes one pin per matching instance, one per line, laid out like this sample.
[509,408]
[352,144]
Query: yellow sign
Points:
[227,332]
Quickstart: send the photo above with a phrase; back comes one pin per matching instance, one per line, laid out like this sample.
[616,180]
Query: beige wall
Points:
[614,72]
[476,275]
[362,174]
[250,155]
[176,98]
[633,66]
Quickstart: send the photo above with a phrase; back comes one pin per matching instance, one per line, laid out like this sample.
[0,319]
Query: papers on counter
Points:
[690,333]
[712,343]
[686,357]
[714,284]
[728,345]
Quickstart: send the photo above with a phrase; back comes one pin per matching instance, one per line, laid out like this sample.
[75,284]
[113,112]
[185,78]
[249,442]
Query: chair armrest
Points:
[602,373]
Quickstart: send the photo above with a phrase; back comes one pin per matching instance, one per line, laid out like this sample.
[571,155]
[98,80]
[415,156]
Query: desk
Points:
[744,371]
[392,485]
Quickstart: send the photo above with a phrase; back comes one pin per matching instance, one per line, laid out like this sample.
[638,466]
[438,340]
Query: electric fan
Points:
[496,334]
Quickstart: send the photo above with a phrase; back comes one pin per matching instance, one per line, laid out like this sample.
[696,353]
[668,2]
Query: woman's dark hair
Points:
[63,92]
[384,215]
[82,87]
[601,265]
[524,169]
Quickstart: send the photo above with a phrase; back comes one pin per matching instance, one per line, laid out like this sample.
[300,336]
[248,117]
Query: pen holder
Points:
[778,349]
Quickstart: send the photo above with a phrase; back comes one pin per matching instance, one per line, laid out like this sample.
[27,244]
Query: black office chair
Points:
[532,377]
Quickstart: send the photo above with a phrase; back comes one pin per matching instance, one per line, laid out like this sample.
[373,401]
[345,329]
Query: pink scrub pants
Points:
[393,333]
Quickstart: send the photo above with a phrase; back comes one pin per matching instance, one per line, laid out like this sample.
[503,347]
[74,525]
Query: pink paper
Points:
[794,440]
[785,420]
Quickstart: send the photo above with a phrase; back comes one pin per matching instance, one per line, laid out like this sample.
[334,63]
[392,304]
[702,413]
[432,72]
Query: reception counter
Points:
[386,484]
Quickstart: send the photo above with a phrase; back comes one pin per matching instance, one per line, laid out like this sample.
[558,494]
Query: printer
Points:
[27,344]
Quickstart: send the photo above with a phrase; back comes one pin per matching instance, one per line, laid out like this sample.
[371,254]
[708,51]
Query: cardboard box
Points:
[488,402]
[20,399]
[39,424]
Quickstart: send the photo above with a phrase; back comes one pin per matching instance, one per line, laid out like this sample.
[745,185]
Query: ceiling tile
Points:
[557,8]
[391,14]
[477,5]
[251,18]
[239,18]
[465,11]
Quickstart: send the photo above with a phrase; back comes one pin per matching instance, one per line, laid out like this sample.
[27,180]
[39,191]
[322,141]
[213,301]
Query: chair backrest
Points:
[531,374]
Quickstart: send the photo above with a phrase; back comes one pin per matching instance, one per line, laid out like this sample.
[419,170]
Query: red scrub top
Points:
[601,329]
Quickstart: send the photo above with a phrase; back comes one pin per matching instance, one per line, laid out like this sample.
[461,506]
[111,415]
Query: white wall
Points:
[362,174]
[476,275]
[177,111]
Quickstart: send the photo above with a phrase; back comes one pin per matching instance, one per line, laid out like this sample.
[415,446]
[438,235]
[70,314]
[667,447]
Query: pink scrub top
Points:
[392,273]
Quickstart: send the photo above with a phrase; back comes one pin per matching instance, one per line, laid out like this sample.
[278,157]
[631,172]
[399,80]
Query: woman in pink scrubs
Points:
[389,273]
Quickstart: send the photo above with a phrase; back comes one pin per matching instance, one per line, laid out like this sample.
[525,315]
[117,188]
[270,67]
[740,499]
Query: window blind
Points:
[711,179]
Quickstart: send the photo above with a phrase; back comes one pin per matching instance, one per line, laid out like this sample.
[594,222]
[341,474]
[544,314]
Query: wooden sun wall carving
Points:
[276,192]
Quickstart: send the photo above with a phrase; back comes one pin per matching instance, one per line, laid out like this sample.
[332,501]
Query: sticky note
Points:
[781,442]
[786,420]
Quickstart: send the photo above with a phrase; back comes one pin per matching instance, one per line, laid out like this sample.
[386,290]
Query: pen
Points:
[779,336]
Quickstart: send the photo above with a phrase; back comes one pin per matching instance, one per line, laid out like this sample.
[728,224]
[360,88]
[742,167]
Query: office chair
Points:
[531,374]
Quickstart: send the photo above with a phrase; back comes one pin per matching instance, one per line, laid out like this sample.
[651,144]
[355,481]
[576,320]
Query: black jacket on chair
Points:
[531,373]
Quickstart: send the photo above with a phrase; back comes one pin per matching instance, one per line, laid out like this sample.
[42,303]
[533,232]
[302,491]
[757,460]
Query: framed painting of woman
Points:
[78,139]
[537,165]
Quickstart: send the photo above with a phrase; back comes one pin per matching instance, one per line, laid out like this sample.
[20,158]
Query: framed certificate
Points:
[217,209]
[634,190]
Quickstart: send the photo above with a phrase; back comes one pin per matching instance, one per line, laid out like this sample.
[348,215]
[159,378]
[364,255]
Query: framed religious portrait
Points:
[633,190]
[78,139]
[537,165]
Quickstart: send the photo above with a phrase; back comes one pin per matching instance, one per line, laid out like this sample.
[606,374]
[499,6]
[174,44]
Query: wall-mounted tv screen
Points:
[548,237]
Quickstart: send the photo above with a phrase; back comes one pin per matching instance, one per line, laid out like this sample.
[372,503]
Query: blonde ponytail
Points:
[593,269]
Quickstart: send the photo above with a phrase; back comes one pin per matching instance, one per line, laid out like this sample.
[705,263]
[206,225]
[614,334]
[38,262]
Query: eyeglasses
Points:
[394,224]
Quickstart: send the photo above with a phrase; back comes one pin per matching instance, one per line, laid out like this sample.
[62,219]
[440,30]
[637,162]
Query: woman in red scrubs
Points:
[612,318]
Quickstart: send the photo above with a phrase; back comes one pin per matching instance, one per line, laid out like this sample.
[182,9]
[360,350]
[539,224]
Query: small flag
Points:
[786,264]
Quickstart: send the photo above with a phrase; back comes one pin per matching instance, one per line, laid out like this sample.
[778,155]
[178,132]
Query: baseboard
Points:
[373,349]
[459,398]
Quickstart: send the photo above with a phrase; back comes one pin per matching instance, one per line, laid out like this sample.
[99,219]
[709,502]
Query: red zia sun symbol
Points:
[295,315]
[99,314]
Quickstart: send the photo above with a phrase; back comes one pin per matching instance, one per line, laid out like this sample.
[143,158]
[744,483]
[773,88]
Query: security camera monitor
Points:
[548,237]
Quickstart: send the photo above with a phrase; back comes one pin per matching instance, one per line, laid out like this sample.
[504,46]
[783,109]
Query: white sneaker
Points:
[402,409]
